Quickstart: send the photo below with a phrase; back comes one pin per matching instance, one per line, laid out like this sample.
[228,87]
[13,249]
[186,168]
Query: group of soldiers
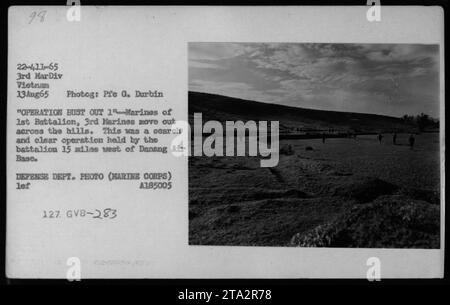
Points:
[411,139]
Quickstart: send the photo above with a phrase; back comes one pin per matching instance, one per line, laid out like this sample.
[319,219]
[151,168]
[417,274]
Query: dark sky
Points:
[390,79]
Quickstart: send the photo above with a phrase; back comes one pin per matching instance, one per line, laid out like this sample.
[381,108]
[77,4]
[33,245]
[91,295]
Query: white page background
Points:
[146,47]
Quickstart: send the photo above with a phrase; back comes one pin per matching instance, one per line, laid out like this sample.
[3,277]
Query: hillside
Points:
[292,119]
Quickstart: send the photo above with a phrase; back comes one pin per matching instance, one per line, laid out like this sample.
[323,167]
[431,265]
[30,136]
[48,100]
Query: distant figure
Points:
[394,138]
[380,137]
[411,141]
[323,137]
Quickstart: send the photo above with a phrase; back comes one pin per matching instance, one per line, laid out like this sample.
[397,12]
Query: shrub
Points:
[287,149]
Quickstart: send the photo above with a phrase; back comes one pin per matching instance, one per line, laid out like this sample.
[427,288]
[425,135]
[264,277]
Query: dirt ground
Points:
[341,193]
[398,164]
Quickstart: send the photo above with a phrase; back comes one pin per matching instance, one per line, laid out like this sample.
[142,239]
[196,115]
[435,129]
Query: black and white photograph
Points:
[358,163]
[230,145]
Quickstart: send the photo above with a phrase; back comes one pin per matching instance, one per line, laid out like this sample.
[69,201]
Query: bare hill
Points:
[292,119]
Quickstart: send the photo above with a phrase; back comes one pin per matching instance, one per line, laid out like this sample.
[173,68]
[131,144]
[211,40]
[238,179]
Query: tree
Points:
[422,121]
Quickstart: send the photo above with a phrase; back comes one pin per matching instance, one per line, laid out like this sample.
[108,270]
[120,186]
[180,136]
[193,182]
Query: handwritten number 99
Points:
[37,16]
